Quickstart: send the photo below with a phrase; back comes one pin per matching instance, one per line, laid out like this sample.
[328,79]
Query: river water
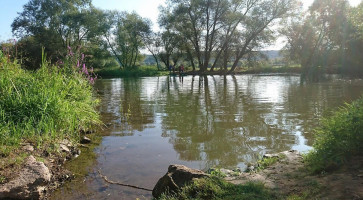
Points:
[200,122]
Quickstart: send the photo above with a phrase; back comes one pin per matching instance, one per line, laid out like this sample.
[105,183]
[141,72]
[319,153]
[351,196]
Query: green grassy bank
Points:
[338,139]
[141,71]
[42,106]
[217,188]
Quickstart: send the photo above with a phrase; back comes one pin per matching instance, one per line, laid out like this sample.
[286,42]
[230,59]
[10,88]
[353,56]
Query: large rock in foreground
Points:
[30,184]
[176,177]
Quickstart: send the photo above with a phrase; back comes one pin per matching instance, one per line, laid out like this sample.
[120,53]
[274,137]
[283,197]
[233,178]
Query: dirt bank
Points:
[33,172]
[291,180]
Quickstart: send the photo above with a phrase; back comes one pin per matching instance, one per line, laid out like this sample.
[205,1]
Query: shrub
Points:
[338,138]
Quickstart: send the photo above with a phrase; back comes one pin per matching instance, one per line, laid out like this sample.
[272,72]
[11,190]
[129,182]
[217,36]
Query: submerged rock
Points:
[176,177]
[29,184]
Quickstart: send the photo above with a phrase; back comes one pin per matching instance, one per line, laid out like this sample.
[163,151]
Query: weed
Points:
[2,179]
[337,139]
[217,173]
[265,162]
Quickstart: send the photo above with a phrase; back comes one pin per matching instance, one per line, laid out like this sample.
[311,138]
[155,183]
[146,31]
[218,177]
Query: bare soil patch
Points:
[289,178]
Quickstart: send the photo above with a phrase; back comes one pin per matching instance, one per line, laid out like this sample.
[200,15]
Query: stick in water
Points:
[122,184]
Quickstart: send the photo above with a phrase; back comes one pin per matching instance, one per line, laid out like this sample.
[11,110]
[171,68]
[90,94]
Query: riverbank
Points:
[142,71]
[32,172]
[290,179]
[278,176]
[44,116]
[147,71]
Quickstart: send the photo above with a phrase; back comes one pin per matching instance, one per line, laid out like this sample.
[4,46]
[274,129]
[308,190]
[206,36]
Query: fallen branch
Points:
[122,184]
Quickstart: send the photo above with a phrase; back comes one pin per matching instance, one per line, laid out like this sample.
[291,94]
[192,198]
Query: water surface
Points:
[200,122]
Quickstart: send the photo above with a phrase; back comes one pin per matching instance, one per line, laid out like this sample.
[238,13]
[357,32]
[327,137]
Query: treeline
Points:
[203,34]
[327,37]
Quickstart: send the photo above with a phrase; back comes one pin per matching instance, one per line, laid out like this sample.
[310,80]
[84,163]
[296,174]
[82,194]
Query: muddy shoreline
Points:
[34,173]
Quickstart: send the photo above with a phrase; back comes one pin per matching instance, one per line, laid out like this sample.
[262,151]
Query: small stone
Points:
[64,148]
[85,140]
[28,147]
[271,156]
[66,142]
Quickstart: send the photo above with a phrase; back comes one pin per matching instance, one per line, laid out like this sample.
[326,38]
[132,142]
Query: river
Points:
[200,122]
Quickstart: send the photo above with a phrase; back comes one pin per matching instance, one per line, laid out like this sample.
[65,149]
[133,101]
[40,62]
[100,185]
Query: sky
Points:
[145,8]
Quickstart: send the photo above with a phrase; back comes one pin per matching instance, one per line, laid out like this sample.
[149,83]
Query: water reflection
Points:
[223,121]
[201,122]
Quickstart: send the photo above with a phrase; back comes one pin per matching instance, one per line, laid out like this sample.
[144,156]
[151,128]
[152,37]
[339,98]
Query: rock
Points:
[85,140]
[29,184]
[64,148]
[271,156]
[28,147]
[176,177]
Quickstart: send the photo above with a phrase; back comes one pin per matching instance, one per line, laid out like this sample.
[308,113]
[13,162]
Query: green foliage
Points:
[211,33]
[327,37]
[134,72]
[56,25]
[218,173]
[217,188]
[46,104]
[339,138]
[129,30]
[265,162]
[273,69]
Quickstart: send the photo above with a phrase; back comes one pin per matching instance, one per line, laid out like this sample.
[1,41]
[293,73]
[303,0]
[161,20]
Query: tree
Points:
[57,25]
[126,36]
[322,38]
[217,28]
[354,50]
[153,45]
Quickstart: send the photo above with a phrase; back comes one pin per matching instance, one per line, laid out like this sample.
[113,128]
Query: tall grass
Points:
[338,139]
[43,105]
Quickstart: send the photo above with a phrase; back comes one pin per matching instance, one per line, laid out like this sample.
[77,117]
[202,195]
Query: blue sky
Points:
[145,8]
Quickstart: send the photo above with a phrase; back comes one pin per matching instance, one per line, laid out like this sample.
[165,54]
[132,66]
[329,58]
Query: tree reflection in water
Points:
[224,120]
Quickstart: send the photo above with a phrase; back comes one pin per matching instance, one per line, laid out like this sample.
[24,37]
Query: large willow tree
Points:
[212,30]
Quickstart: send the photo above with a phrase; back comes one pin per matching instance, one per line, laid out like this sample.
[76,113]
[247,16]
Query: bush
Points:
[339,138]
[45,104]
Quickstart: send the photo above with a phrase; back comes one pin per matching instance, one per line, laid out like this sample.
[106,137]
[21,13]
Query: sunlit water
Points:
[200,122]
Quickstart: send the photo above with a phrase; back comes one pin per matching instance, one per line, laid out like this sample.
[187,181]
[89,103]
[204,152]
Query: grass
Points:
[265,162]
[45,105]
[217,188]
[142,71]
[272,69]
[338,138]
